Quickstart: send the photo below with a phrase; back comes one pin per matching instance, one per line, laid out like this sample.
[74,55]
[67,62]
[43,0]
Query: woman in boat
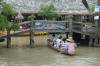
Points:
[70,46]
[63,45]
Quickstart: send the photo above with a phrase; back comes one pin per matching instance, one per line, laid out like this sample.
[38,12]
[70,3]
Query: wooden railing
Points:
[80,27]
[65,27]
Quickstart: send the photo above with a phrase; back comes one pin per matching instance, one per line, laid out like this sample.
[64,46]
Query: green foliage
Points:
[31,17]
[48,11]
[4,22]
[89,23]
[91,10]
[8,10]
[15,27]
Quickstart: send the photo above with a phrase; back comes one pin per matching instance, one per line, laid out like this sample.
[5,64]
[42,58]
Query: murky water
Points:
[42,55]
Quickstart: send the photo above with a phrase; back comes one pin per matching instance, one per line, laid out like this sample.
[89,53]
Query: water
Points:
[42,55]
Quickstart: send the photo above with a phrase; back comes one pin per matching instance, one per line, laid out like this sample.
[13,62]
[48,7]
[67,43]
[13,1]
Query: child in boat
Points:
[58,42]
[70,46]
[63,45]
[53,40]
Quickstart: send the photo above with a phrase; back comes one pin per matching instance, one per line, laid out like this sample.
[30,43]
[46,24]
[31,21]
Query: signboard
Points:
[50,25]
[97,9]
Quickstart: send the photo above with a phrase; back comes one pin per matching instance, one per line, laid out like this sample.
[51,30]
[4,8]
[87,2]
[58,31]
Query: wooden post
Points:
[31,35]
[66,34]
[8,39]
[70,28]
[90,41]
[95,41]
[97,34]
[99,40]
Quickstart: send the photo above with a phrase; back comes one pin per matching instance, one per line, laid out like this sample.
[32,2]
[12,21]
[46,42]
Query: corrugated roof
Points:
[63,6]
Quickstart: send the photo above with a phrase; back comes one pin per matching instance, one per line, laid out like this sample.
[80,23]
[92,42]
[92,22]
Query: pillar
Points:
[8,39]
[31,36]
[90,41]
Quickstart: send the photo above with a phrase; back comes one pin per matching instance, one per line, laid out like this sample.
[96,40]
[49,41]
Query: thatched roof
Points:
[63,6]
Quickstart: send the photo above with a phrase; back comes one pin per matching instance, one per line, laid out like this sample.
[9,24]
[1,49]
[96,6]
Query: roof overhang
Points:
[60,13]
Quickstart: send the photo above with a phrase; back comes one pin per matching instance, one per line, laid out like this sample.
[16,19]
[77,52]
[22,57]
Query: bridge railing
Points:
[51,26]
[55,26]
[82,28]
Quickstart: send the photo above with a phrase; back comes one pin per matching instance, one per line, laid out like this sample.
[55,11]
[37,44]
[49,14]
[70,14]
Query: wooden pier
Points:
[65,27]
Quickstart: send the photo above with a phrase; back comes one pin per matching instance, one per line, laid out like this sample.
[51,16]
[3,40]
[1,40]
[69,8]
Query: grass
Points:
[89,23]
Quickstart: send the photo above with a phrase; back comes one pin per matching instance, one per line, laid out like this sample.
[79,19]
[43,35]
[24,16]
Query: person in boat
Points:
[53,40]
[70,46]
[63,45]
[58,42]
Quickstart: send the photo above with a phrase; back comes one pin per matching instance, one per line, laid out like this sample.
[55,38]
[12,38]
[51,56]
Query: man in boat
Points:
[70,46]
[53,40]
[58,42]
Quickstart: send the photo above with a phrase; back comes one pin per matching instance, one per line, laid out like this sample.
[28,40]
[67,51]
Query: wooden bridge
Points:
[53,26]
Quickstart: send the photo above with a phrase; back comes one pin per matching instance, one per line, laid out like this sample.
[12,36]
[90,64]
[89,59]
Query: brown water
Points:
[42,55]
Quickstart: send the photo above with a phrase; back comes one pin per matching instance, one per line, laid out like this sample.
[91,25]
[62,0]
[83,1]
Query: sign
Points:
[96,17]
[97,9]
[50,25]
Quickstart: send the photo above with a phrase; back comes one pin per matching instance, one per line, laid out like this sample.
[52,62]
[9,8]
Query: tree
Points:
[31,17]
[5,16]
[91,10]
[48,11]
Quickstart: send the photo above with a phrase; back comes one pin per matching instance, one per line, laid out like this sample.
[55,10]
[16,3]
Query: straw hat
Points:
[70,39]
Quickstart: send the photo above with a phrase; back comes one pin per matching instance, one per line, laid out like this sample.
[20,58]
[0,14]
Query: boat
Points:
[57,49]
[2,40]
[27,33]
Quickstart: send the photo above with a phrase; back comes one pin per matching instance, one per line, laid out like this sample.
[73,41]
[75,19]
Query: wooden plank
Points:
[15,33]
[25,22]
[44,30]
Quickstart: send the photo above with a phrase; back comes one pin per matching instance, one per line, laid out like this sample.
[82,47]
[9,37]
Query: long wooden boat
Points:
[27,33]
[57,49]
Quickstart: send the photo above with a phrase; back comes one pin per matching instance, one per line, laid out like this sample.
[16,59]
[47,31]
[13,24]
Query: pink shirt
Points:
[71,47]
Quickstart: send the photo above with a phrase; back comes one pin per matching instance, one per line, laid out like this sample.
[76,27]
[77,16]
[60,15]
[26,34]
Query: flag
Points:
[85,4]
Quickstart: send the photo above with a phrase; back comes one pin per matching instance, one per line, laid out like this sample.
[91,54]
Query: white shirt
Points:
[58,42]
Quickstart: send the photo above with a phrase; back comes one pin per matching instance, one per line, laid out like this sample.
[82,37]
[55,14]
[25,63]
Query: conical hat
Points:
[70,39]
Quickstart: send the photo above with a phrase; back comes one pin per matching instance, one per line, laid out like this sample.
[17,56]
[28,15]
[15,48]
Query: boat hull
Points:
[57,49]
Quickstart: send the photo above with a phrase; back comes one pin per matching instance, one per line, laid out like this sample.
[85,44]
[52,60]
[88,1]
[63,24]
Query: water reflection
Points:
[42,55]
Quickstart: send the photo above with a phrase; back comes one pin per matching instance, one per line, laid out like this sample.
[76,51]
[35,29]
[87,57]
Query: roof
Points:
[19,16]
[63,6]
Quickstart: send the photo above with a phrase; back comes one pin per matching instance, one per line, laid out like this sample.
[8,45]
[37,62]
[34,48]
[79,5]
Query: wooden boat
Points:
[2,40]
[57,49]
[27,33]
